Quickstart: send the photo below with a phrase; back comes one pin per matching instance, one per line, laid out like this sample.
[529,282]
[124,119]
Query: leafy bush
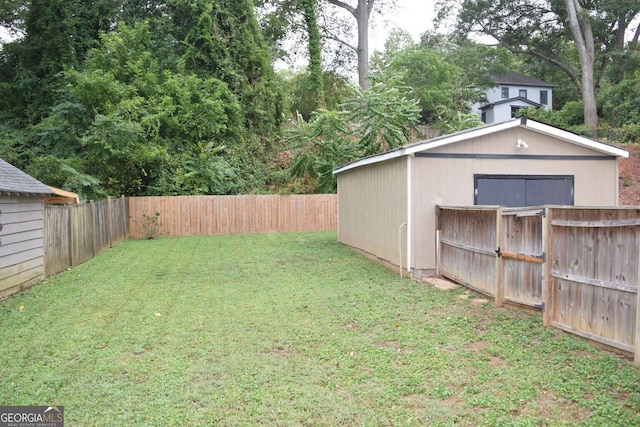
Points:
[151,226]
[371,122]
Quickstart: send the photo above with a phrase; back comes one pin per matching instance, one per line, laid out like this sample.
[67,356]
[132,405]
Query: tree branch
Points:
[370,6]
[634,42]
[339,40]
[345,6]
[573,75]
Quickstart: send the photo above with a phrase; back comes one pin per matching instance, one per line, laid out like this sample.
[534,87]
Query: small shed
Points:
[21,229]
[386,202]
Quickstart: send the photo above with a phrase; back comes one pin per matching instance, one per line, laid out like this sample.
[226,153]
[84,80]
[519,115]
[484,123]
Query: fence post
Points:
[546,267]
[125,216]
[499,261]
[109,221]
[438,246]
[636,343]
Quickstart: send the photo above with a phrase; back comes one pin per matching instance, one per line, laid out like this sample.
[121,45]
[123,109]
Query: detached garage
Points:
[386,203]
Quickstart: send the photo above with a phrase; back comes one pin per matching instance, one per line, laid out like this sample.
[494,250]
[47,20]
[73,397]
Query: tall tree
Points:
[582,35]
[445,79]
[315,51]
[542,29]
[362,13]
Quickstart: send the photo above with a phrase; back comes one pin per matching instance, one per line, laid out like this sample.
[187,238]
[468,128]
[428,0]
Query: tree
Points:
[315,51]
[301,97]
[361,13]
[544,28]
[582,35]
[372,121]
[445,78]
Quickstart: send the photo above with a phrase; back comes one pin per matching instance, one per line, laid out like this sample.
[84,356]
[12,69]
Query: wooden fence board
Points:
[74,234]
[207,215]
[468,247]
[595,257]
[581,265]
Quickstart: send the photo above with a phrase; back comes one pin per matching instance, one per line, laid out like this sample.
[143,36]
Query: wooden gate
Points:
[593,275]
[468,238]
[522,256]
[580,266]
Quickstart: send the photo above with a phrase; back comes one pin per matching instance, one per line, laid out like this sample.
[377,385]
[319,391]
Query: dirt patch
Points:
[388,344]
[551,407]
[630,176]
[354,326]
[442,283]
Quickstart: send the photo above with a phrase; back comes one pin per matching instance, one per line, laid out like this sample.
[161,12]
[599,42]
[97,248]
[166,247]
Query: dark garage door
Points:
[523,190]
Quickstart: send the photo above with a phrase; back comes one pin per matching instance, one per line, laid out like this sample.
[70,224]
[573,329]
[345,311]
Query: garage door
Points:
[523,190]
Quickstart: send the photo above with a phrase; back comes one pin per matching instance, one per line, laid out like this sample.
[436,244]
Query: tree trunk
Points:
[582,35]
[363,12]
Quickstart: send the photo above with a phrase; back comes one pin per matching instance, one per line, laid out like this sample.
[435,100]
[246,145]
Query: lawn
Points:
[291,329]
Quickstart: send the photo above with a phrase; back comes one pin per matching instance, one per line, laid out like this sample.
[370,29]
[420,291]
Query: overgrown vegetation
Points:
[151,226]
[291,329]
[163,97]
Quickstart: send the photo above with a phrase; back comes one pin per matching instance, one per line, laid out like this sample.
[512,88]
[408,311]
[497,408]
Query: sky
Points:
[414,16]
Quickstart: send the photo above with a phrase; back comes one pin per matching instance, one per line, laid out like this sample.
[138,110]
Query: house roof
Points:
[506,101]
[13,180]
[522,122]
[518,79]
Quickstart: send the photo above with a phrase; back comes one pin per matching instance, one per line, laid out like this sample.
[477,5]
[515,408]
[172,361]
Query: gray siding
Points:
[21,242]
[372,206]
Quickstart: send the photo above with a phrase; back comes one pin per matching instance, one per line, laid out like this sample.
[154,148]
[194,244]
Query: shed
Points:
[21,229]
[386,202]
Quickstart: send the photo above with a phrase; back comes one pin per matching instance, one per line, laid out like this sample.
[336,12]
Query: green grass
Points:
[291,329]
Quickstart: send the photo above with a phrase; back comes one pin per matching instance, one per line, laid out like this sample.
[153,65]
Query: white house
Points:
[514,91]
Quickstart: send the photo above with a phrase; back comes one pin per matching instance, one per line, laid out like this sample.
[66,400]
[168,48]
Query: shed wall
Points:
[450,180]
[372,206]
[21,242]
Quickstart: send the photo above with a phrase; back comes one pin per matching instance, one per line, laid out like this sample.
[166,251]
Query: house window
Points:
[523,93]
[505,92]
[544,97]
[483,117]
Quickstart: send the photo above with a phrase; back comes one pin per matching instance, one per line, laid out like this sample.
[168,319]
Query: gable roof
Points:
[506,101]
[13,180]
[518,79]
[523,122]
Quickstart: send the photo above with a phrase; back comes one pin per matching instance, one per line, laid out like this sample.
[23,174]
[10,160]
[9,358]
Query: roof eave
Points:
[577,139]
[485,130]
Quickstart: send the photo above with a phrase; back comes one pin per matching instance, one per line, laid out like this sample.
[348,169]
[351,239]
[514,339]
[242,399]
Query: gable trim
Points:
[423,146]
[510,156]
[510,100]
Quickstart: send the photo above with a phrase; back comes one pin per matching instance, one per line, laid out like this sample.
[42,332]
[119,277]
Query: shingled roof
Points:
[13,180]
[514,78]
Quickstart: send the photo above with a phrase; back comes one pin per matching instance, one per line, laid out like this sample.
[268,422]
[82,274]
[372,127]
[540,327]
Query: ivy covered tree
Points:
[141,97]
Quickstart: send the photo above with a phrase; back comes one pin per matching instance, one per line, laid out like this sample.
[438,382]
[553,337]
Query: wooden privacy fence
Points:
[206,215]
[580,266]
[74,234]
